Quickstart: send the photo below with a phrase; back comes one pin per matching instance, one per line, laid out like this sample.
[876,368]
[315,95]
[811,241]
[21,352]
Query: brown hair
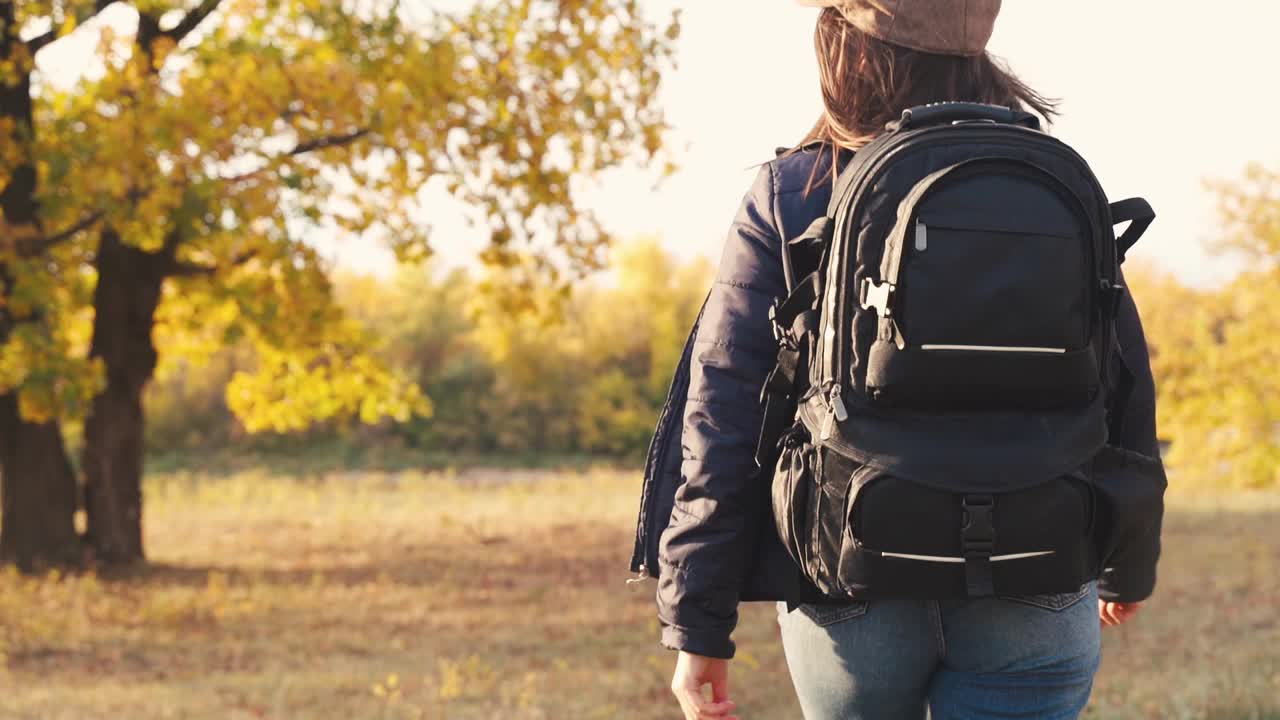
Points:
[867,82]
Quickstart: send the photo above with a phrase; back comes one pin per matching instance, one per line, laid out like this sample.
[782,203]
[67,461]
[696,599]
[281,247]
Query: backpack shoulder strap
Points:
[802,256]
[1138,213]
[795,322]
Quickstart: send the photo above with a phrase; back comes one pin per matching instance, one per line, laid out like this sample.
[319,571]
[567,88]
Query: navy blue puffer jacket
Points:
[705,524]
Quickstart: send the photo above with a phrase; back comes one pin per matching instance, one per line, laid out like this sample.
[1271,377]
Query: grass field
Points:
[503,595]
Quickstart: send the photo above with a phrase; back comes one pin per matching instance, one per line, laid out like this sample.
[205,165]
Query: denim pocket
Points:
[824,615]
[1055,602]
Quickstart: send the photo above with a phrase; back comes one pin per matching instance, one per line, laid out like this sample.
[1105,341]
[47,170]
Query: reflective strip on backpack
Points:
[997,348]
[948,559]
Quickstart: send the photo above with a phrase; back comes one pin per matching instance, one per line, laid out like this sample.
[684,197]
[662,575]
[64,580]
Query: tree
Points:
[589,371]
[222,131]
[1250,210]
[587,374]
[37,482]
[1233,414]
[635,332]
[1214,352]
[421,319]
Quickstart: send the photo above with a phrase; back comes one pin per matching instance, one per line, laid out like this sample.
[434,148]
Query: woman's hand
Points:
[692,673]
[1113,614]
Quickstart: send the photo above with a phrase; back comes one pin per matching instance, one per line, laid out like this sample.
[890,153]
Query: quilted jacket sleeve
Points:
[1138,425]
[1132,576]
[707,549]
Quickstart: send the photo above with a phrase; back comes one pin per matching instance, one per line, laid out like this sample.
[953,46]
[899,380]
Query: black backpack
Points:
[948,372]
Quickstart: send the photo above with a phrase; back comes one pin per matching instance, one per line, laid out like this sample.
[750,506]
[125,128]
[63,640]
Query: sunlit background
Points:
[353,487]
[1158,96]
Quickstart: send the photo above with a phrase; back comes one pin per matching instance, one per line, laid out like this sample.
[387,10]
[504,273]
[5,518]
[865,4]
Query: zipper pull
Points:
[835,411]
[890,332]
[640,577]
[837,405]
[922,236]
[898,340]
[828,425]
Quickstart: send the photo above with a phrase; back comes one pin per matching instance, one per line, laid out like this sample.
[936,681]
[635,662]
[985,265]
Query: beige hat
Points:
[944,27]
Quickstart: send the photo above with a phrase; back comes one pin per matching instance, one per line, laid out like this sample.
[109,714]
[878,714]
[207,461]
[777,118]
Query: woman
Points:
[883,658]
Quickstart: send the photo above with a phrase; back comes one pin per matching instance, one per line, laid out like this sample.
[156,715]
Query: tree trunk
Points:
[37,482]
[39,491]
[125,301]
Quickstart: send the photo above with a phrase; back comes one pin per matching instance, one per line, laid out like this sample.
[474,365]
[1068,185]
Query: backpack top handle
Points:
[956,112]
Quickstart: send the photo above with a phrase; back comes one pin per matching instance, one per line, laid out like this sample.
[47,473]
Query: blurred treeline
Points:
[586,372]
[1215,352]
[582,371]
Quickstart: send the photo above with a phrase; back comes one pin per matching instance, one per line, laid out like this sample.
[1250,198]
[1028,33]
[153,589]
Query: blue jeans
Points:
[893,659]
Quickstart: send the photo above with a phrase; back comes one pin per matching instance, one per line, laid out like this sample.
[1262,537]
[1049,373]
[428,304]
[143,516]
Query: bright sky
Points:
[1158,95]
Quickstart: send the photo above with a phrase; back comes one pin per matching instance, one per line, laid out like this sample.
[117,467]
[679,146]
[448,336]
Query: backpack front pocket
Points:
[995,289]
[906,538]
[988,294]
[947,377]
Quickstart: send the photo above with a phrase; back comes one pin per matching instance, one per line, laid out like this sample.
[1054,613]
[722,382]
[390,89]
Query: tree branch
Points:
[172,240]
[186,269]
[302,148]
[328,142]
[43,244]
[39,42]
[192,20]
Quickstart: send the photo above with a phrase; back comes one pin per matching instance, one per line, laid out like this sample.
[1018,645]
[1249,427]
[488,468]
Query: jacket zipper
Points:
[657,456]
[653,477]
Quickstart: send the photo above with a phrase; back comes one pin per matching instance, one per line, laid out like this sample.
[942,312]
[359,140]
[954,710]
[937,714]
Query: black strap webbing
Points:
[1122,385]
[795,320]
[779,404]
[977,542]
[802,256]
[1138,213]
[802,299]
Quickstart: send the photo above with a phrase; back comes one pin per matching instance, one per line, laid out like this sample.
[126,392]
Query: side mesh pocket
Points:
[1130,489]
[793,485]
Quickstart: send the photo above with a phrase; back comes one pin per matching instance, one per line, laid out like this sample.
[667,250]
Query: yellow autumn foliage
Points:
[1216,352]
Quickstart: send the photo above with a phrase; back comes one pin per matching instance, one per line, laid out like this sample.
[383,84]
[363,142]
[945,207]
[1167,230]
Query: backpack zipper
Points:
[896,245]
[836,412]
[834,357]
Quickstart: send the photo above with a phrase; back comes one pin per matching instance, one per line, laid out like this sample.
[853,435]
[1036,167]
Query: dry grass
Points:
[503,595]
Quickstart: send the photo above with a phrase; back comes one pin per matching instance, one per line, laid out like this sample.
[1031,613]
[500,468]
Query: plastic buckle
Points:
[781,335]
[876,295]
[977,543]
[978,530]
[1114,296]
